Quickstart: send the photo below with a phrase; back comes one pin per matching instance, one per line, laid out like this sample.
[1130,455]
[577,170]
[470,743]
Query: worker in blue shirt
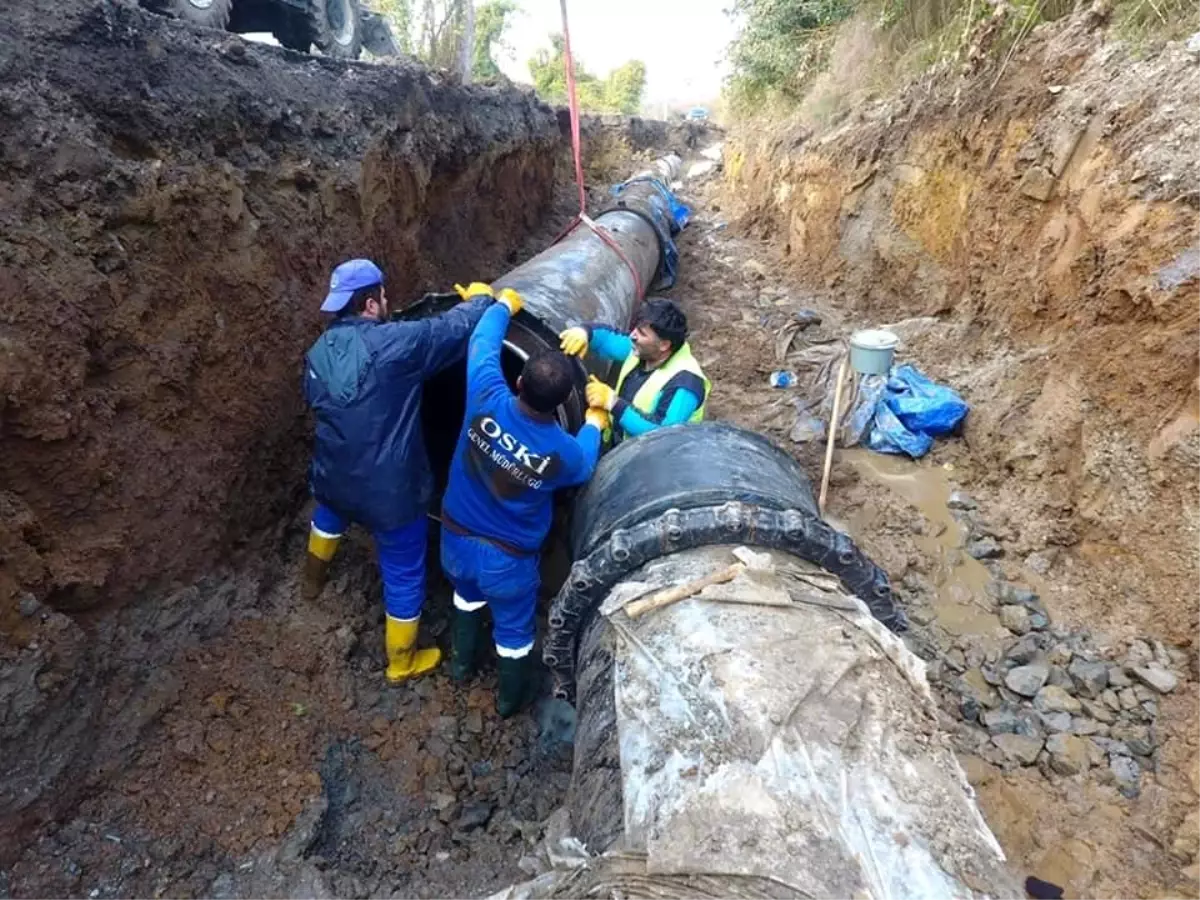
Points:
[363,380]
[511,456]
[660,382]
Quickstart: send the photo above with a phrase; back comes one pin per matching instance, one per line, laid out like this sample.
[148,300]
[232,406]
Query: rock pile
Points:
[1052,700]
[1044,696]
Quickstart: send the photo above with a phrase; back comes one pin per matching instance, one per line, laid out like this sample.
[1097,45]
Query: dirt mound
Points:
[173,201]
[1030,234]
[1048,212]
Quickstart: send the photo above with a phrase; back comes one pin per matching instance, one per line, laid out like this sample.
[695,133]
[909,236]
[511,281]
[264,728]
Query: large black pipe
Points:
[581,278]
[695,486]
[674,489]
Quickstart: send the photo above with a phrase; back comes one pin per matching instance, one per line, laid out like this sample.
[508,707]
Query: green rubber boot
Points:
[465,634]
[516,687]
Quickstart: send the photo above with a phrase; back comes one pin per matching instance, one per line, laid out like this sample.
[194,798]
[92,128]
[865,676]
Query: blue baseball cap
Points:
[346,279]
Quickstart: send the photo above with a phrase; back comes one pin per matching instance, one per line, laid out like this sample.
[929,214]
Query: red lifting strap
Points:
[582,216]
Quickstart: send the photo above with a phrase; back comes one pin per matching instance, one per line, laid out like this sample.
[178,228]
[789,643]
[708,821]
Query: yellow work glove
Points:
[600,395]
[511,299]
[598,417]
[474,289]
[574,342]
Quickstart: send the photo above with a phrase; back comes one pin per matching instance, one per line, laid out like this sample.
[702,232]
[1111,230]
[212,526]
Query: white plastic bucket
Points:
[872,351]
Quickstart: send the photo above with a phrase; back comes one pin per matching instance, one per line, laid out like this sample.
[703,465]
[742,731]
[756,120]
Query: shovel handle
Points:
[834,420]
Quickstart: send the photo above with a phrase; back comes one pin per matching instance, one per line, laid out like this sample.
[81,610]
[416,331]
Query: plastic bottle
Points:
[782,379]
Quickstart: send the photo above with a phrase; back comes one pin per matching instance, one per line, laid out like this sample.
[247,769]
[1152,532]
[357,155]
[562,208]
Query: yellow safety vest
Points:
[647,396]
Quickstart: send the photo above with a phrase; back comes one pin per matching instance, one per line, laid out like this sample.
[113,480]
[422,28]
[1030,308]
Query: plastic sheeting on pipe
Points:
[767,738]
[690,486]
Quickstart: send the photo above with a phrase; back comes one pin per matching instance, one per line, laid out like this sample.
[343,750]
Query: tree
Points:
[466,49]
[434,31]
[620,92]
[440,23]
[623,90]
[548,72]
[399,16]
[450,33]
[491,21]
[783,43]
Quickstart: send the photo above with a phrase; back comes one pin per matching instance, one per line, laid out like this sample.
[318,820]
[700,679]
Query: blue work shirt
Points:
[508,464]
[363,381]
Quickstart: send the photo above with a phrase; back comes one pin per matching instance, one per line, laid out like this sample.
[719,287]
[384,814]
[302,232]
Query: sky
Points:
[682,42]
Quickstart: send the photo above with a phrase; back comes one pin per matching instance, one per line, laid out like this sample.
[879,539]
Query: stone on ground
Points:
[1028,680]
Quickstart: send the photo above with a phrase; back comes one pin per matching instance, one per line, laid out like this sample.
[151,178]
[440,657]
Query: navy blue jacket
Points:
[363,380]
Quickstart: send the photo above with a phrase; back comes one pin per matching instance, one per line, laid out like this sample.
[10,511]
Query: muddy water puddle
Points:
[961,602]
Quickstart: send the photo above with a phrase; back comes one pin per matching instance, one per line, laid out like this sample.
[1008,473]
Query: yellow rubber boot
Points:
[321,547]
[404,660]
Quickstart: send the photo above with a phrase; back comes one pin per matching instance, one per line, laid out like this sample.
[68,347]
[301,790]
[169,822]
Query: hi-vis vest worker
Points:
[660,384]
[511,457]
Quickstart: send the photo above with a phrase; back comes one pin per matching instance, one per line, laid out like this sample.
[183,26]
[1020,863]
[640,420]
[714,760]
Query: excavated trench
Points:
[173,202]
[174,719]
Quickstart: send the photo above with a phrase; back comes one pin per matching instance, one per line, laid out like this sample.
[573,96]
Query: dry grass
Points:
[854,74]
[888,43]
[1144,22]
[880,49]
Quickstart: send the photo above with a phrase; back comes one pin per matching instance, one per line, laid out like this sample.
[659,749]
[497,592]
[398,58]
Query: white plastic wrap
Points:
[771,732]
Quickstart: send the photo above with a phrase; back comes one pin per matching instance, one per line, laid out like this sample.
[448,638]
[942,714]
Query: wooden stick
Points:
[682,591]
[833,430]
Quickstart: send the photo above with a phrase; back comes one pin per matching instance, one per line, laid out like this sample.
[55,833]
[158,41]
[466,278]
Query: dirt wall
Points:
[174,202]
[612,144]
[171,203]
[1043,216]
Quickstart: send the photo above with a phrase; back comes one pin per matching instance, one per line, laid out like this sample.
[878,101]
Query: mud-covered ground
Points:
[224,738]
[281,762]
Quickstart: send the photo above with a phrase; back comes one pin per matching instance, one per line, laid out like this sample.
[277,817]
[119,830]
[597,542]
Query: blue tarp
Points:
[669,216]
[681,213]
[905,413]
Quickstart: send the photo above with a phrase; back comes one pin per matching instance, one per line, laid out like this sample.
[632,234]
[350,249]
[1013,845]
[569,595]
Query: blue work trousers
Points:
[401,553]
[482,574]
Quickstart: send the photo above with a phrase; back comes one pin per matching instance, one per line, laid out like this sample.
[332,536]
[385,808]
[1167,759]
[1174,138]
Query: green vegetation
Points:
[1141,21]
[491,19]
[620,92]
[786,44]
[783,44]
[434,31]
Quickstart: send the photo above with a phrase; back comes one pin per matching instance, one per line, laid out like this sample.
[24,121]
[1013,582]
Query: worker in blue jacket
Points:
[511,456]
[363,380]
[660,382]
